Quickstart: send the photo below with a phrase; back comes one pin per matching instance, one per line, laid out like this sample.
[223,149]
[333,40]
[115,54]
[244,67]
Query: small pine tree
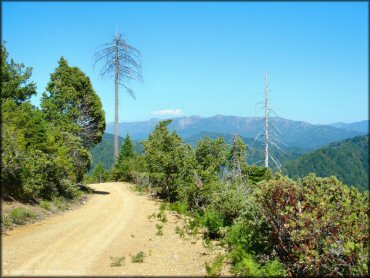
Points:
[127,150]
[126,161]
[100,174]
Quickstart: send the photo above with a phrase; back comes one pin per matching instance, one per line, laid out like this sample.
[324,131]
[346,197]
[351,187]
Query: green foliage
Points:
[138,258]
[320,226]
[162,216]
[170,162]
[127,149]
[211,156]
[249,267]
[213,221]
[45,205]
[230,204]
[179,207]
[117,261]
[255,149]
[255,174]
[72,103]
[43,156]
[214,269]
[99,175]
[159,229]
[36,155]
[128,163]
[15,83]
[20,215]
[238,154]
[180,231]
[198,195]
[347,160]
[102,152]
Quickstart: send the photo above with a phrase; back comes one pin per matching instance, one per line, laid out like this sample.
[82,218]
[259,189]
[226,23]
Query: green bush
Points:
[179,207]
[215,268]
[45,205]
[69,189]
[20,215]
[117,261]
[200,195]
[213,222]
[249,267]
[169,161]
[138,258]
[230,203]
[162,216]
[159,229]
[320,226]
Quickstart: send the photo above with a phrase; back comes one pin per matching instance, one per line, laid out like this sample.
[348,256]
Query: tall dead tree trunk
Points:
[116,104]
[266,123]
[122,62]
[270,132]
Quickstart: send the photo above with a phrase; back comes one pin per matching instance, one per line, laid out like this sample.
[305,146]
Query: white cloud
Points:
[167,112]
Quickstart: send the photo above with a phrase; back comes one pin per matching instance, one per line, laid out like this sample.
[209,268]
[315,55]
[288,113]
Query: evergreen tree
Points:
[127,150]
[72,103]
[170,161]
[211,156]
[15,79]
[126,161]
[41,157]
[100,174]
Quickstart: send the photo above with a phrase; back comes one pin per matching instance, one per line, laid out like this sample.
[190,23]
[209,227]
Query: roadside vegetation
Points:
[270,224]
[45,151]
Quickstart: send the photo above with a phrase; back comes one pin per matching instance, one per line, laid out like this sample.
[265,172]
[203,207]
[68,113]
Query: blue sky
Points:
[207,58]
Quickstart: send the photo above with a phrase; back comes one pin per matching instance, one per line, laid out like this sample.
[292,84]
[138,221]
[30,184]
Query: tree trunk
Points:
[116,105]
[267,124]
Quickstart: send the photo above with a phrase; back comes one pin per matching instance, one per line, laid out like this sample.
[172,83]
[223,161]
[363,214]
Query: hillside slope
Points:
[348,160]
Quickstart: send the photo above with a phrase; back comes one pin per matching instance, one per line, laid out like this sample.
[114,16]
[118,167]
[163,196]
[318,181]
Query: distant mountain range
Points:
[362,126]
[292,133]
[347,160]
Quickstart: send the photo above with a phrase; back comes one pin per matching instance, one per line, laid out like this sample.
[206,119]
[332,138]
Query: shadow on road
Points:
[100,192]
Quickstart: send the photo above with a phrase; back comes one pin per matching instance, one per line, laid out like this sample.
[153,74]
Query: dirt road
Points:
[113,223]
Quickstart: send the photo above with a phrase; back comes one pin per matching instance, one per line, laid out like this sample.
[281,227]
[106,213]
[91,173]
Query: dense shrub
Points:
[320,226]
[213,221]
[169,160]
[249,267]
[198,195]
[230,204]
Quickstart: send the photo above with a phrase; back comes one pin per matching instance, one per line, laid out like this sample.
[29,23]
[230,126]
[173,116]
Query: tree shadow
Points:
[100,192]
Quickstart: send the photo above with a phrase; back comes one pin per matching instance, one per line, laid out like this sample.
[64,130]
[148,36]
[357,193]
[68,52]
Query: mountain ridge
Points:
[293,133]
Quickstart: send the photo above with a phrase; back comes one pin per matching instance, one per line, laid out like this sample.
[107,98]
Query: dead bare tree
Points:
[267,122]
[122,62]
[270,132]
